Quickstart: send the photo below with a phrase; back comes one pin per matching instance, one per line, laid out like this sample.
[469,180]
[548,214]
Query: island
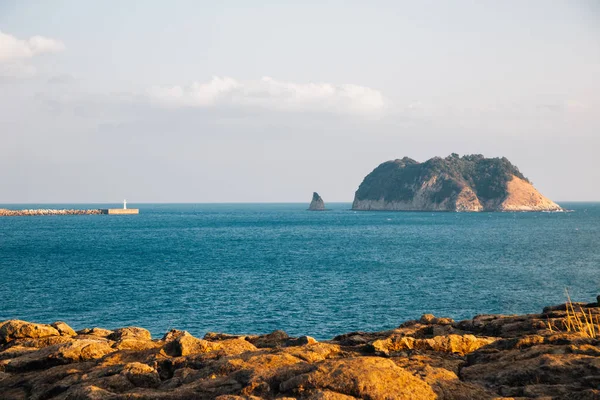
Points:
[317,203]
[551,355]
[468,183]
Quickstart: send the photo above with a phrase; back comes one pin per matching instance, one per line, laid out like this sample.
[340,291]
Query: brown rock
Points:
[328,395]
[392,344]
[63,328]
[174,334]
[365,377]
[459,344]
[40,343]
[98,332]
[301,341]
[273,339]
[141,375]
[433,358]
[90,393]
[16,329]
[214,336]
[131,332]
[135,344]
[65,353]
[314,352]
[427,318]
[186,345]
[16,351]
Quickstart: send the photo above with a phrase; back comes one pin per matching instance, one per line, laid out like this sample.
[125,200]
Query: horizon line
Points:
[228,202]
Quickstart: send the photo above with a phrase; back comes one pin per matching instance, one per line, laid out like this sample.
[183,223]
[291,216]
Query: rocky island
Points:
[317,203]
[468,183]
[552,355]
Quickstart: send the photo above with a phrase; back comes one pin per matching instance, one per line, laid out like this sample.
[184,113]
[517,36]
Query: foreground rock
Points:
[317,203]
[487,357]
[469,183]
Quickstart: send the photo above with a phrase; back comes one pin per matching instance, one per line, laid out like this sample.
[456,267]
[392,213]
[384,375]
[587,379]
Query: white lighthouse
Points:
[120,211]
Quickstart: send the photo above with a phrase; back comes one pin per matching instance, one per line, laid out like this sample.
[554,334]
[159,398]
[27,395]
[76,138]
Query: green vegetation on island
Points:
[468,183]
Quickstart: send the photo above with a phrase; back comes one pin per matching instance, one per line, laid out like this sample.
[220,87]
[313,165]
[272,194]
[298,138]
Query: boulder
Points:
[141,375]
[17,329]
[274,339]
[301,341]
[131,332]
[174,334]
[98,332]
[187,345]
[63,328]
[459,344]
[135,344]
[364,377]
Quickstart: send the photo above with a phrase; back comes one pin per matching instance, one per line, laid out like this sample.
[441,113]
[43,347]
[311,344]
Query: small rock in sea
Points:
[317,203]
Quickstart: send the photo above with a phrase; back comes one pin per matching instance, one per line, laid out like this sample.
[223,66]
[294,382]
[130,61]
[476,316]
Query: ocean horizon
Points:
[245,268]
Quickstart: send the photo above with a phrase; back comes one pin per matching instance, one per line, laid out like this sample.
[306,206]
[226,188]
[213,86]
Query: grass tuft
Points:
[578,321]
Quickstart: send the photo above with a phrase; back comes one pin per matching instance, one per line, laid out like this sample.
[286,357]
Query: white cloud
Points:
[15,53]
[13,49]
[272,94]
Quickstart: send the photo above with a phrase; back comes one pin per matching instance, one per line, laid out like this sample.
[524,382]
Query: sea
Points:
[256,268]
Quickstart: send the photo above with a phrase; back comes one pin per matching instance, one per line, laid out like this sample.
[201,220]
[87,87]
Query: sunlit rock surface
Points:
[487,357]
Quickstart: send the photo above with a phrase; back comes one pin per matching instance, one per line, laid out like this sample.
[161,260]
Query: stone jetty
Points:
[19,213]
[543,356]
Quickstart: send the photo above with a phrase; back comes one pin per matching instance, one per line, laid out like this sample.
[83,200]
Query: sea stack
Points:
[317,203]
[468,183]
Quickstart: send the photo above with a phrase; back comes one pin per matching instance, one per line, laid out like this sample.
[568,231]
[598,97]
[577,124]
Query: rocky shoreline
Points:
[488,357]
[45,211]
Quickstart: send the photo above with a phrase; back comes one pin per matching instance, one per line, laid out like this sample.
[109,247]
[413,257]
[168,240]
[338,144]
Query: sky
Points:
[268,101]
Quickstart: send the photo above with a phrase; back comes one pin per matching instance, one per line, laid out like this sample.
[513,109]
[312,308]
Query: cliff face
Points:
[317,203]
[469,183]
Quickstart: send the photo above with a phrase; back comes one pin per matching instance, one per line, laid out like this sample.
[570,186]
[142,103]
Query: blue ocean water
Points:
[254,268]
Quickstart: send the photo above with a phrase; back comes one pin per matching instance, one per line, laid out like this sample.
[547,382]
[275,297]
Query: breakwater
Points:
[21,213]
[44,211]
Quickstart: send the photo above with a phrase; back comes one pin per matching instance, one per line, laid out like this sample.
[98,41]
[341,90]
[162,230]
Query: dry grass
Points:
[581,322]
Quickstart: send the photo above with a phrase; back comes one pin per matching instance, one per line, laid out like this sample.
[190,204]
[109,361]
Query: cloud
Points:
[13,49]
[15,52]
[272,94]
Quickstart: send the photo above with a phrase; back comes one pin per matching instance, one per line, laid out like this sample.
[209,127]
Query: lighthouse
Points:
[120,211]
